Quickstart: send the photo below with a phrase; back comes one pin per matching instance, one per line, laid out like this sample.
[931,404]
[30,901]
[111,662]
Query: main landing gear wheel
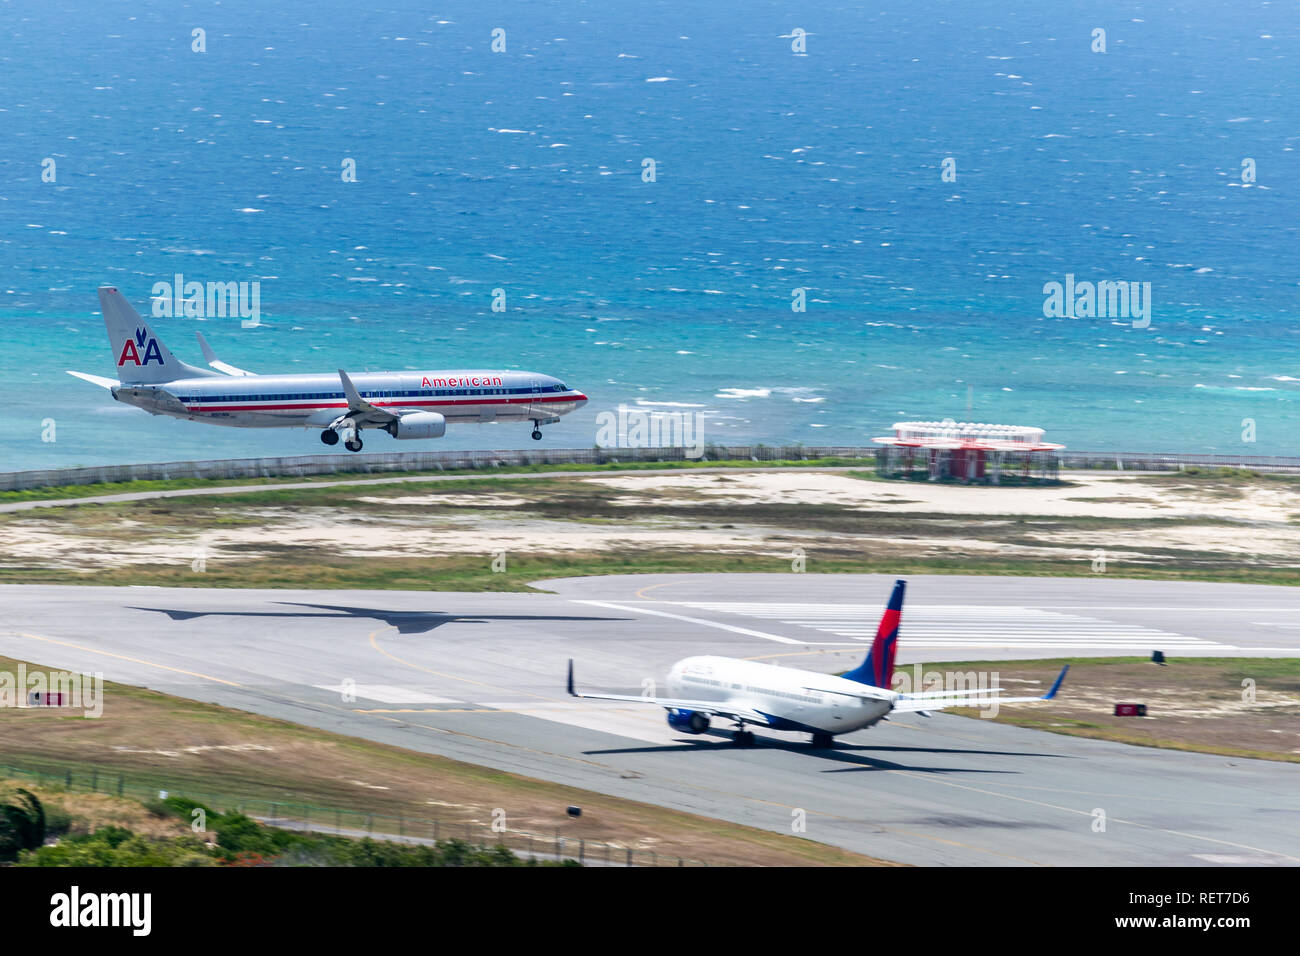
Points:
[329,436]
[537,434]
[823,741]
[353,445]
[743,738]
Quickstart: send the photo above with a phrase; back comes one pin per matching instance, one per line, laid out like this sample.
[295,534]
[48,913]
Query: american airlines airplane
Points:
[404,404]
[785,698]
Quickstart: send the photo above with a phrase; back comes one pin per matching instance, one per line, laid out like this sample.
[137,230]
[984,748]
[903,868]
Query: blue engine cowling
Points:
[690,721]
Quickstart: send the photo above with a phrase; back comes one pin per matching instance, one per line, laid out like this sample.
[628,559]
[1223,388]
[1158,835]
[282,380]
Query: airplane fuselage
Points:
[407,405]
[787,698]
[307,401]
[790,698]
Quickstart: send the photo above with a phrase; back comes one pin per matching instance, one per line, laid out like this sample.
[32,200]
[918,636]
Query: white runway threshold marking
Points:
[961,626]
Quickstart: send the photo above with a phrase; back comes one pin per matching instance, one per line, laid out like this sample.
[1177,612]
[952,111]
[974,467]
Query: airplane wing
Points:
[361,410]
[866,693]
[948,693]
[919,703]
[95,379]
[673,703]
[210,357]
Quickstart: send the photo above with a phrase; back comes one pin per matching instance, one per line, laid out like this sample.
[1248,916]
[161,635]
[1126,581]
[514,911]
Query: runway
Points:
[480,677]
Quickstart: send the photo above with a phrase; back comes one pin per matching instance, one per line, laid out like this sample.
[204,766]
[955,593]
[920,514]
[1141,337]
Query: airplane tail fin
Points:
[140,356]
[878,669]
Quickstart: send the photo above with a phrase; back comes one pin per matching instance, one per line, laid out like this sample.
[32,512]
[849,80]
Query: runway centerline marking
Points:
[133,660]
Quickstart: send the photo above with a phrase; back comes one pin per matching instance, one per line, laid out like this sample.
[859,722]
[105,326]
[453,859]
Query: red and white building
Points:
[967,451]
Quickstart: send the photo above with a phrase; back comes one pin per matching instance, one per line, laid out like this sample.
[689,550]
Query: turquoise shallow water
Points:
[522,171]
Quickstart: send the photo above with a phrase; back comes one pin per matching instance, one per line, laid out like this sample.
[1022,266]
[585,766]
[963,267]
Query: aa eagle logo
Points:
[143,342]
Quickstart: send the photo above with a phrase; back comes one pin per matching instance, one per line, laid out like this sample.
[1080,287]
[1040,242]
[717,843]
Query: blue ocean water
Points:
[521,170]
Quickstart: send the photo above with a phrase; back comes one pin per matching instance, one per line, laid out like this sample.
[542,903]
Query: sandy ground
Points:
[1260,514]
[1124,496]
[323,532]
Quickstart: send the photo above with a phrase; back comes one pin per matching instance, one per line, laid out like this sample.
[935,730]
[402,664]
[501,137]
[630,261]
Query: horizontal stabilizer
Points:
[94,379]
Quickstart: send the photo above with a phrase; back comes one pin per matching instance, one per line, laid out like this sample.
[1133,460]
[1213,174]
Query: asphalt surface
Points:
[480,677]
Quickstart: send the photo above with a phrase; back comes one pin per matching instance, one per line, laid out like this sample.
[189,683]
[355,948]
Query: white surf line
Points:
[693,620]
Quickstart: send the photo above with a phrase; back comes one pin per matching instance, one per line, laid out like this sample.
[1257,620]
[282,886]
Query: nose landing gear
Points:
[539,422]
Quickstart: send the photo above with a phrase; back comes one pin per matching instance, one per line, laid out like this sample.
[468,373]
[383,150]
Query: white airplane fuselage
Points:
[791,699]
[314,401]
[787,698]
[407,405]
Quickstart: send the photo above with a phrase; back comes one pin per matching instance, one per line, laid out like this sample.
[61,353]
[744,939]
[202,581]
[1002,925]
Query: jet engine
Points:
[690,721]
[418,425]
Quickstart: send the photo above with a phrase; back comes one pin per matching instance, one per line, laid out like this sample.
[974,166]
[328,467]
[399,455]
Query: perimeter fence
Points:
[394,827]
[306,466]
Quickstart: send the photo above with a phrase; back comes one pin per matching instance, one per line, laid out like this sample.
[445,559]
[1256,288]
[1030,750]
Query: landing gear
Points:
[539,422]
[343,428]
[823,741]
[742,738]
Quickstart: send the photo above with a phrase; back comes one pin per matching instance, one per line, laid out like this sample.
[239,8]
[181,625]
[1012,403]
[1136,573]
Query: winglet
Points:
[572,692]
[1060,679]
[210,357]
[355,401]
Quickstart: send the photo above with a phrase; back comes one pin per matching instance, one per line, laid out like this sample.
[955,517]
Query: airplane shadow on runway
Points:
[841,752]
[406,622]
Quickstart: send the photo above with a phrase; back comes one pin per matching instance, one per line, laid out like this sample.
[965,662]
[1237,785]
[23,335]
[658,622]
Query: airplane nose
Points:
[580,399]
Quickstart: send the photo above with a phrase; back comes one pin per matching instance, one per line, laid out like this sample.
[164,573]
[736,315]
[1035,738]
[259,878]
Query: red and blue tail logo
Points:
[131,350]
[878,669]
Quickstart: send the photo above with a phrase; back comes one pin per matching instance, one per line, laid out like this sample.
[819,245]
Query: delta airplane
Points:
[784,698]
[404,404]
